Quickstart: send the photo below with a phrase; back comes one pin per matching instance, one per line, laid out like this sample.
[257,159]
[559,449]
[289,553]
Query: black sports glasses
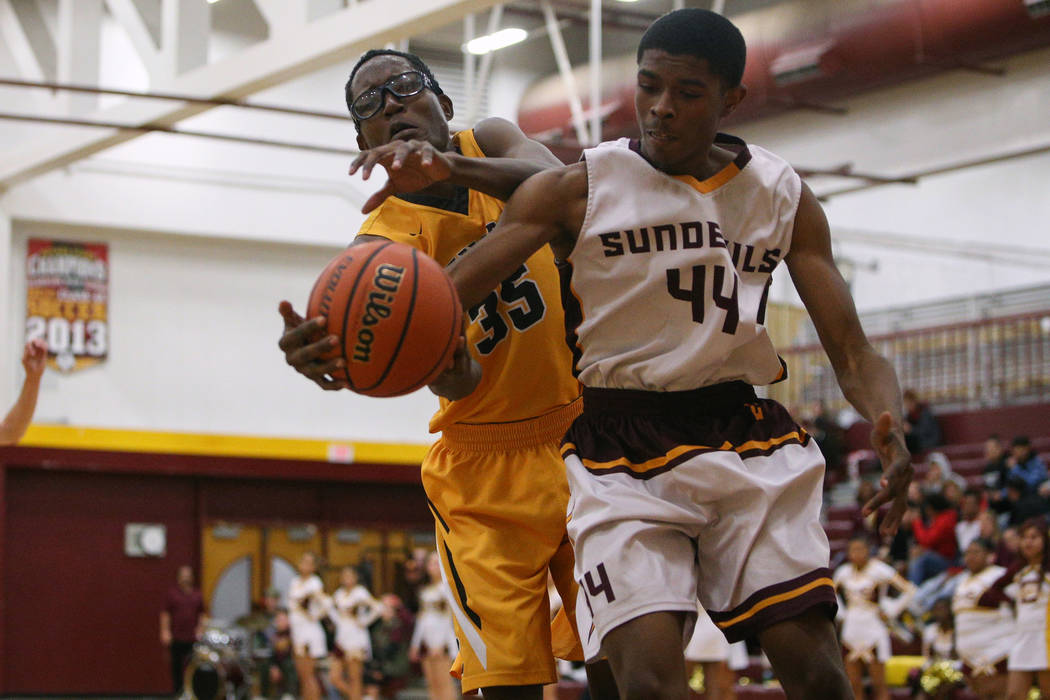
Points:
[368,103]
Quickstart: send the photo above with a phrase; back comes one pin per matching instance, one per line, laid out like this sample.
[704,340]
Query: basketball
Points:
[395,312]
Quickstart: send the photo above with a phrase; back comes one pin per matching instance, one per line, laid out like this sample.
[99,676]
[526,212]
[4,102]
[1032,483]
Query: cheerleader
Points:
[940,675]
[1029,661]
[984,627]
[307,604]
[938,637]
[719,660]
[353,611]
[434,633]
[863,582]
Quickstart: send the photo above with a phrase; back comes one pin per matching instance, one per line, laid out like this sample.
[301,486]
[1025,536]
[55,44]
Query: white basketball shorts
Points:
[711,494]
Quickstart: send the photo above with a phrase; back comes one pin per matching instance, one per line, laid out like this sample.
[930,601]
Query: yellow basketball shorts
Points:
[499,494]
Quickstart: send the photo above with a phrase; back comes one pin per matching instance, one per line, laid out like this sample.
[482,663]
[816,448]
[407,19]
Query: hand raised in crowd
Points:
[304,343]
[410,166]
[34,357]
[888,441]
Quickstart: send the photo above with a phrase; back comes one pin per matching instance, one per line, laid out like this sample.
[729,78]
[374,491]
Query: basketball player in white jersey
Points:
[682,482]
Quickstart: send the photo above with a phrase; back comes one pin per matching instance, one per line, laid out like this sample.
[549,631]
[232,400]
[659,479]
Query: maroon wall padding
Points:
[79,615]
[974,426]
[964,427]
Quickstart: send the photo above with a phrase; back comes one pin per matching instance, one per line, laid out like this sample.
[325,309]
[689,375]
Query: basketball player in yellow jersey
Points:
[495,480]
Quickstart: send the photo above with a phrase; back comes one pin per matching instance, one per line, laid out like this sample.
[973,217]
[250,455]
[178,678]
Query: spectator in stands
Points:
[921,431]
[969,525]
[934,532]
[1025,464]
[385,673]
[17,420]
[830,437]
[1024,503]
[995,467]
[864,526]
[411,579]
[939,474]
[901,545]
[277,677]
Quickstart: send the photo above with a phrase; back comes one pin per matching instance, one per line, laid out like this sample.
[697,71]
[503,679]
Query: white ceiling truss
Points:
[300,42]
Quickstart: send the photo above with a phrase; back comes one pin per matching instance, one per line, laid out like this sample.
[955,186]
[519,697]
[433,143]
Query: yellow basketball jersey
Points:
[517,333]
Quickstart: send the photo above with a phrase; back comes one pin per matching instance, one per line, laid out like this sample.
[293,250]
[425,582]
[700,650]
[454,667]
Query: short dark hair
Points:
[415,61]
[984,543]
[703,34]
[1021,441]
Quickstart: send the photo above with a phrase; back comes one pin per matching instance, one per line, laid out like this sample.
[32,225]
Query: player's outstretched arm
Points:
[511,158]
[867,379]
[549,207]
[15,424]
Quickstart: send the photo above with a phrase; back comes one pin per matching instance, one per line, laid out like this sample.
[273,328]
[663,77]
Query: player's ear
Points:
[734,96]
[446,106]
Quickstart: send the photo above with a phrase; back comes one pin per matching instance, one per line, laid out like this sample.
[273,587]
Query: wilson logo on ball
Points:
[385,284]
[395,313]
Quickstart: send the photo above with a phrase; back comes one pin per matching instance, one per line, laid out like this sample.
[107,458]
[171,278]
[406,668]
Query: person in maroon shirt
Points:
[181,622]
[935,536]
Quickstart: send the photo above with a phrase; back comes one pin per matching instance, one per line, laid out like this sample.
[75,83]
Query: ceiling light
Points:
[497,40]
[628,0]
[212,2]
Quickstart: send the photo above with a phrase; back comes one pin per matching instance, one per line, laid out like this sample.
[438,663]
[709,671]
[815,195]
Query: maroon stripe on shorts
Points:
[822,595]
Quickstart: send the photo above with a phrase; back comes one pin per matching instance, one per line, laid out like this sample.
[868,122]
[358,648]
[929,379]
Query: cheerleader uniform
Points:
[864,634]
[938,643]
[984,627]
[307,604]
[709,644]
[355,609]
[1030,591]
[434,629]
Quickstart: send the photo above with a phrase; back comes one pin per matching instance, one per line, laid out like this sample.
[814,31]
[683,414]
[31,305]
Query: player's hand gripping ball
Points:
[395,312]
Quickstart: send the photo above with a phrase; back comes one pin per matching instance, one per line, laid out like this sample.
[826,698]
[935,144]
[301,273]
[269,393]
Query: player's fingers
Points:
[289,314]
[426,155]
[401,155]
[893,518]
[307,337]
[876,502]
[296,337]
[374,156]
[355,165]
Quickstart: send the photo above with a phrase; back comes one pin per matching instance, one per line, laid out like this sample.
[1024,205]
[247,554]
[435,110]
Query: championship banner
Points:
[67,301]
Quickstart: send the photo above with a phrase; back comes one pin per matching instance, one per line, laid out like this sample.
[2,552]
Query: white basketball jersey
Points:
[666,287]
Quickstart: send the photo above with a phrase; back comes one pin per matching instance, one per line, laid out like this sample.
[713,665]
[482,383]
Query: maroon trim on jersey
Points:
[573,314]
[822,595]
[726,141]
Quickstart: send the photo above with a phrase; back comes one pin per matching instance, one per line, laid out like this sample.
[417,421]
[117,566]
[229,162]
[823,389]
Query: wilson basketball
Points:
[395,312]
